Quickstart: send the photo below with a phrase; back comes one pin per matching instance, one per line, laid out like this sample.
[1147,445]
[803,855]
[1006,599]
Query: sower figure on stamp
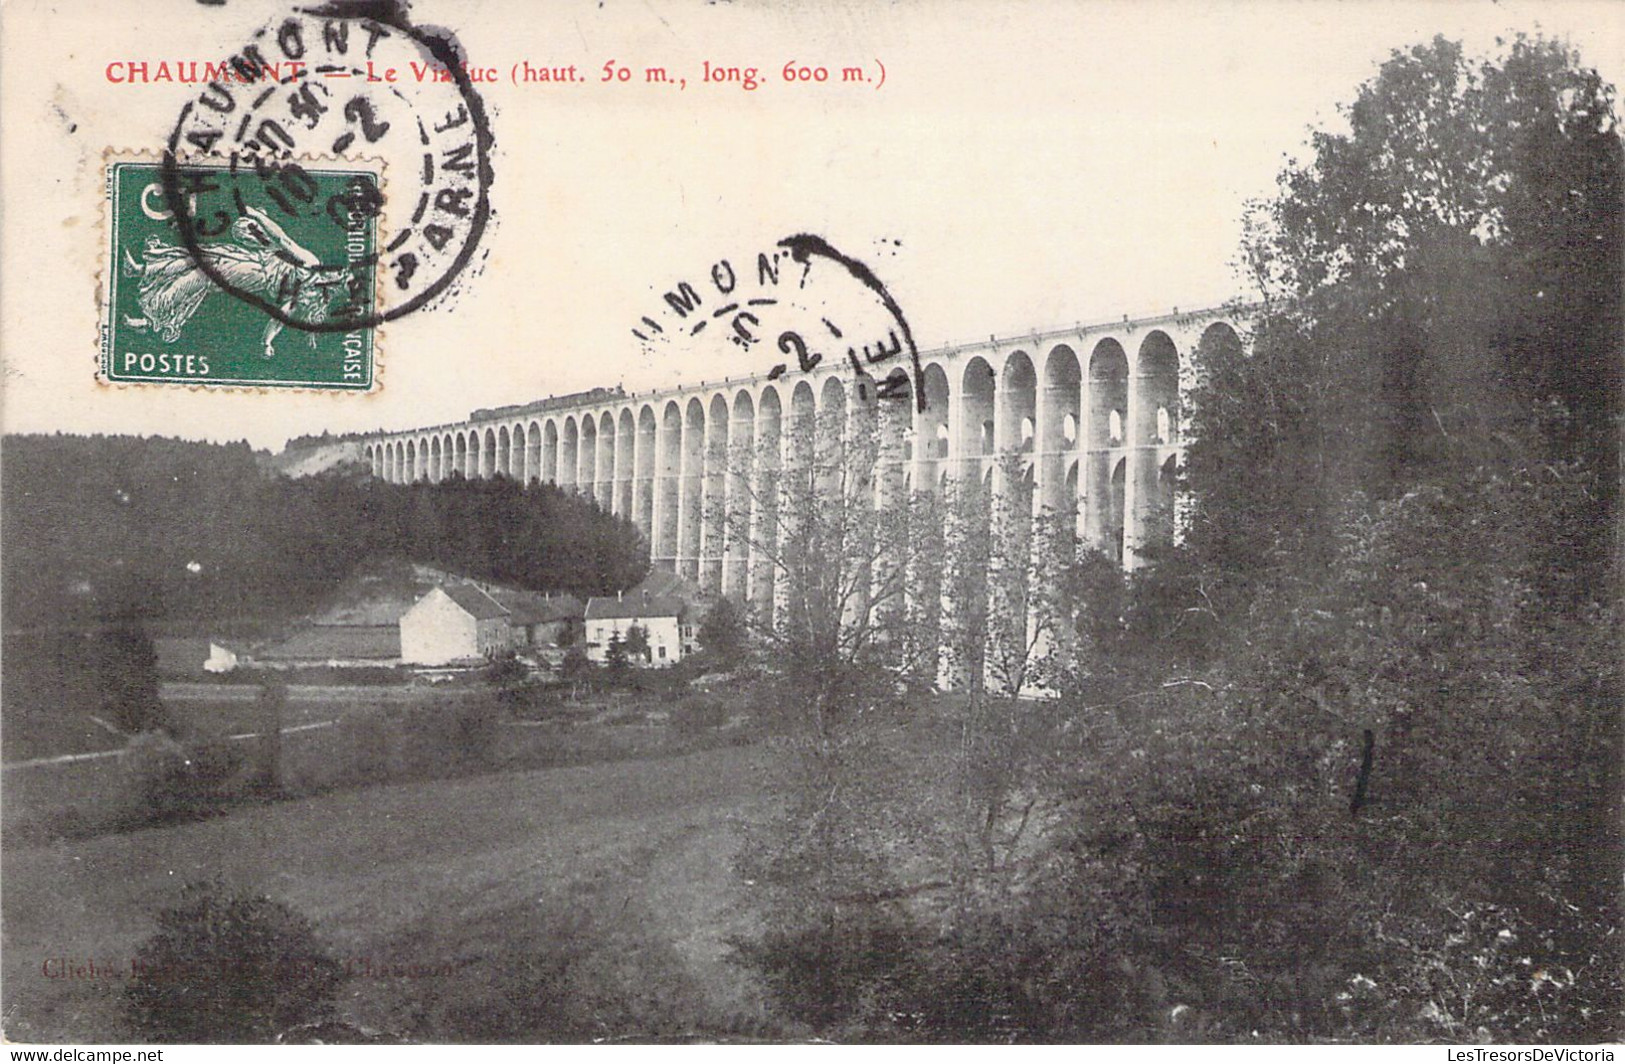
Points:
[260,258]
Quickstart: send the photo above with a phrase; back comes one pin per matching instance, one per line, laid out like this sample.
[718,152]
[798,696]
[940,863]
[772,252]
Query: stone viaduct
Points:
[1093,414]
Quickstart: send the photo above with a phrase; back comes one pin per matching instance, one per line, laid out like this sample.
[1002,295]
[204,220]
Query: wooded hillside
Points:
[109,527]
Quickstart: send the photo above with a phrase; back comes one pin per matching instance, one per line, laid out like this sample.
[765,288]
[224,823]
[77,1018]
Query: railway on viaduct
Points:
[1092,418]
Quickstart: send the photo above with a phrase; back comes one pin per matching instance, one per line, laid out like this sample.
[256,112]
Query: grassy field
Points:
[198,709]
[562,903]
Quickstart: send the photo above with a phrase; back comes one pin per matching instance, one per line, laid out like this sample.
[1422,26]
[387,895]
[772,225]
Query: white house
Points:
[455,622]
[220,659]
[665,620]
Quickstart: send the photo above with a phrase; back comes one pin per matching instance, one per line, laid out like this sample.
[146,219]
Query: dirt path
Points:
[176,691]
[691,881]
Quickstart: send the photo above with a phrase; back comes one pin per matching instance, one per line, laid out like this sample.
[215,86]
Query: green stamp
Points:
[275,286]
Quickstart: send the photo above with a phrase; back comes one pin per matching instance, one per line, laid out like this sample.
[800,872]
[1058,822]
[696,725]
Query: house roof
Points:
[530,607]
[382,591]
[475,602]
[337,642]
[661,584]
[634,606]
[177,654]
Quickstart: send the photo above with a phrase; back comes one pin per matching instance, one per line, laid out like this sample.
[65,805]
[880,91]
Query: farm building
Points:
[663,618]
[339,646]
[667,607]
[457,622]
[540,620]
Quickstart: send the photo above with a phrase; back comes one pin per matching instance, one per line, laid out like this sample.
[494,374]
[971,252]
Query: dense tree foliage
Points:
[722,634]
[616,660]
[191,530]
[637,645]
[1445,269]
[1366,724]
[1344,765]
[124,676]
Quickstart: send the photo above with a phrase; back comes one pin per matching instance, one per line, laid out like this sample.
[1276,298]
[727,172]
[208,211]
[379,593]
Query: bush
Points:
[698,713]
[504,671]
[229,966]
[577,668]
[840,972]
[174,782]
[442,739]
[1024,970]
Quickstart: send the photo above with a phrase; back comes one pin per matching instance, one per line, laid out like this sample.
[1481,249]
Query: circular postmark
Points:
[343,83]
[804,305]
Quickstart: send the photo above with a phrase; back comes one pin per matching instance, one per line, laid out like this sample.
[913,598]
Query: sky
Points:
[1023,167]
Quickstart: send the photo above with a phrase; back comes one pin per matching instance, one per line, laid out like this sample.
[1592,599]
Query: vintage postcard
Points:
[750,522]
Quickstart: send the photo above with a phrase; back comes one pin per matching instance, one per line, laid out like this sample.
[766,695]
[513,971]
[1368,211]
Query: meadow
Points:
[567,903]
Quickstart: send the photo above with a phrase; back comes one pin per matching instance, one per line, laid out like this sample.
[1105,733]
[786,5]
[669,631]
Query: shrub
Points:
[576,667]
[837,972]
[229,966]
[473,732]
[698,713]
[179,782]
[504,670]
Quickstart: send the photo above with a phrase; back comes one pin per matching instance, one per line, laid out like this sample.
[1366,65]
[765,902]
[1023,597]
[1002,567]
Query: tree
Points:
[1400,531]
[840,639]
[229,966]
[1341,779]
[1437,272]
[576,667]
[722,633]
[637,643]
[861,568]
[188,531]
[125,667]
[617,658]
[836,558]
[1006,637]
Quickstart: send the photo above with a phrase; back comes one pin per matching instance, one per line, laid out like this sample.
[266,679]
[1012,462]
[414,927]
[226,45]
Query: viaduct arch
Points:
[1094,415]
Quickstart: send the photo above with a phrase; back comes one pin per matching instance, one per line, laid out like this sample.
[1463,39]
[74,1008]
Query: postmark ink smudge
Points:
[340,80]
[802,248]
[811,301]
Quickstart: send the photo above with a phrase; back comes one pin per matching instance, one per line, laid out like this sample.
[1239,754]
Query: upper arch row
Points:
[982,369]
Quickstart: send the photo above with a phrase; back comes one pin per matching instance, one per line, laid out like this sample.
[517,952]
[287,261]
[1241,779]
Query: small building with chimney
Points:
[540,620]
[668,608]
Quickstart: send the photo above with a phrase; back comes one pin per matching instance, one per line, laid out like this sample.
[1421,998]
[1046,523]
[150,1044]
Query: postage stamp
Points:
[170,315]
